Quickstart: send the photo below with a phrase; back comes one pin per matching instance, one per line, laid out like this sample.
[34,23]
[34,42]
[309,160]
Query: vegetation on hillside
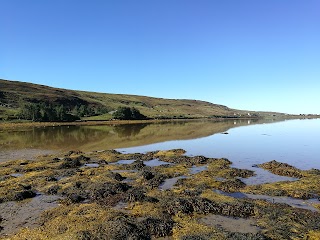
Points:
[126,113]
[101,106]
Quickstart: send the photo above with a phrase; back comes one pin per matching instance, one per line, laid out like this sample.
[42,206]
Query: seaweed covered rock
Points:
[282,169]
[70,163]
[116,176]
[24,194]
[281,221]
[136,165]
[100,192]
[82,158]
[147,175]
[158,227]
[123,228]
[205,206]
[232,185]
[236,172]
[138,195]
[53,190]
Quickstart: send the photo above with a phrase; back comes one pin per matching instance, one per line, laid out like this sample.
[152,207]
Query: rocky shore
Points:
[155,195]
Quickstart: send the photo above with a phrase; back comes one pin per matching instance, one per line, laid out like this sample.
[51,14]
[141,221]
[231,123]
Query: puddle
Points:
[221,179]
[155,163]
[16,175]
[91,165]
[124,162]
[231,224]
[194,169]
[25,213]
[263,176]
[170,182]
[293,202]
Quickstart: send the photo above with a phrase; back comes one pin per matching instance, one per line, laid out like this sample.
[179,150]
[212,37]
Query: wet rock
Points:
[205,206]
[51,179]
[53,190]
[18,196]
[142,157]
[147,175]
[82,158]
[75,198]
[70,163]
[103,162]
[232,185]
[125,228]
[138,165]
[138,195]
[158,227]
[100,192]
[236,172]
[199,160]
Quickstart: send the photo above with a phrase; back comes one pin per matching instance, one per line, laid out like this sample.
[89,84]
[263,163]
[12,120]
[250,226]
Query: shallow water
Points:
[91,165]
[170,182]
[231,224]
[198,169]
[155,163]
[293,202]
[247,143]
[25,213]
[125,162]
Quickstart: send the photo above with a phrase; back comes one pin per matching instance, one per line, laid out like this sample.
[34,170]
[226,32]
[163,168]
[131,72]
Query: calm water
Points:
[296,142]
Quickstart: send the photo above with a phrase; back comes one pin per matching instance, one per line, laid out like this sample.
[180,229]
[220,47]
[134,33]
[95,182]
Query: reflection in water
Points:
[89,138]
[129,130]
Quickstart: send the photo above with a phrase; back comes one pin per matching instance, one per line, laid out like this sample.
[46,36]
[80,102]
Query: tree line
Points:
[46,112]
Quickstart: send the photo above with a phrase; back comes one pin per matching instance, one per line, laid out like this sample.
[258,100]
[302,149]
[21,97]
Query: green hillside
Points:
[14,94]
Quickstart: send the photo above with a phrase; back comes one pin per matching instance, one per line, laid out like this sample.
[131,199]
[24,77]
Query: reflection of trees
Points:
[89,138]
[129,130]
[52,137]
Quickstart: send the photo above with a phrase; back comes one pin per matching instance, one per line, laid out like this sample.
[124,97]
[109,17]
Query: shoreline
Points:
[10,125]
[125,189]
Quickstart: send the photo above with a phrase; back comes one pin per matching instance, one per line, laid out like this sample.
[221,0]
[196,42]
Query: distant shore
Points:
[11,125]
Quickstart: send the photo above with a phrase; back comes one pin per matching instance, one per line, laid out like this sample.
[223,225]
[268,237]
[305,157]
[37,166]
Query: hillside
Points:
[13,94]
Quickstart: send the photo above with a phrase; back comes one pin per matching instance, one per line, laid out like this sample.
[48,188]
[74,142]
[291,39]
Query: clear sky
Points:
[246,54]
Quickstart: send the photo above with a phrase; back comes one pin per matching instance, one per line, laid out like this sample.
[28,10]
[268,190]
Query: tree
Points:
[126,113]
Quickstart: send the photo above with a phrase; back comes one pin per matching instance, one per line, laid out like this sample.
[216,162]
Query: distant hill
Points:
[13,94]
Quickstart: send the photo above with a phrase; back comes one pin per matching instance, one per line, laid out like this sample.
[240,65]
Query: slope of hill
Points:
[14,93]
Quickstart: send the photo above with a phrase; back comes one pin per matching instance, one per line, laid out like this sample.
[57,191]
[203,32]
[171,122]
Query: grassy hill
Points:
[13,94]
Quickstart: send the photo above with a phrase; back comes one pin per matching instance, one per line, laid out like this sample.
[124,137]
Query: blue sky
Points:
[248,54]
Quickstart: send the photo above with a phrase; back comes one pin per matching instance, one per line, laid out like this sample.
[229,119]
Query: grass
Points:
[14,93]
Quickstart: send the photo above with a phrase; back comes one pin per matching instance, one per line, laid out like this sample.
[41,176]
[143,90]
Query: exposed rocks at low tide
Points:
[87,189]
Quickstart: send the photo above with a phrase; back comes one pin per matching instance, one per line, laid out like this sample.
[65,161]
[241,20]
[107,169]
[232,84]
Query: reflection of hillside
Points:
[89,138]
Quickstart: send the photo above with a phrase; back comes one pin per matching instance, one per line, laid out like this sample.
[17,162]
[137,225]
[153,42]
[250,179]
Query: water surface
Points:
[247,143]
